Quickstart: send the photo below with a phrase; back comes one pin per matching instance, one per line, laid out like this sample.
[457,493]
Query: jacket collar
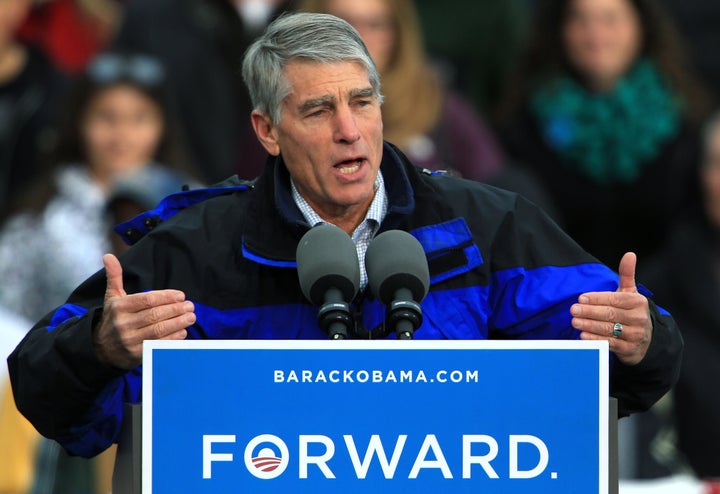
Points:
[275,224]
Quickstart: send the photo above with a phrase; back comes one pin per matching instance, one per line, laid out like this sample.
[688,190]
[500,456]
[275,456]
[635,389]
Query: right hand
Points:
[128,320]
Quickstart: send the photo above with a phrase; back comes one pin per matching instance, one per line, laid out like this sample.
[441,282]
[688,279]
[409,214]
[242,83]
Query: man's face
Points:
[330,136]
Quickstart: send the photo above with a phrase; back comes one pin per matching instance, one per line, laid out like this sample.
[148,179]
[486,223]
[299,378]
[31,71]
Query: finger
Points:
[608,314]
[620,300]
[177,335]
[113,270]
[164,329]
[596,312]
[605,328]
[627,273]
[627,352]
[139,302]
[153,315]
[599,328]
[615,344]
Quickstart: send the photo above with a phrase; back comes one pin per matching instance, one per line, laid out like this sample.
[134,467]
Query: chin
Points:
[357,199]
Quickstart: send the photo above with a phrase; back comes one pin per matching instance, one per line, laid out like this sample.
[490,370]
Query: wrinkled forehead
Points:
[310,78]
[310,67]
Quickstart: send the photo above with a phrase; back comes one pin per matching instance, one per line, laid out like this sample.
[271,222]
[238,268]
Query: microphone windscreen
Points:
[394,260]
[326,258]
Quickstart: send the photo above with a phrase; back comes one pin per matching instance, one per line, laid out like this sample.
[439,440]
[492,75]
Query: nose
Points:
[346,129]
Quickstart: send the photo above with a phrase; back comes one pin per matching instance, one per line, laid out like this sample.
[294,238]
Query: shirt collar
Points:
[376,213]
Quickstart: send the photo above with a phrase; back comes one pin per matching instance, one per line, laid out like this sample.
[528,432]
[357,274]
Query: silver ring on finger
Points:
[617,330]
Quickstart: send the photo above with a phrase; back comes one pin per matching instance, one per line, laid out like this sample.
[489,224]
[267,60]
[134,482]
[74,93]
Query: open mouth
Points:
[349,166]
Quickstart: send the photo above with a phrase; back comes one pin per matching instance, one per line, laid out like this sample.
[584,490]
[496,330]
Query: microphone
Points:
[399,277]
[329,274]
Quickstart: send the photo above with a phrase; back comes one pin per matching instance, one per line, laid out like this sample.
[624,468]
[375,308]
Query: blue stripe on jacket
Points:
[519,303]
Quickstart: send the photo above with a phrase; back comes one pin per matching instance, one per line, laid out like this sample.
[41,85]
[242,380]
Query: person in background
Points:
[475,43]
[117,121]
[432,124]
[141,190]
[685,277]
[71,32]
[201,44]
[30,90]
[698,21]
[605,111]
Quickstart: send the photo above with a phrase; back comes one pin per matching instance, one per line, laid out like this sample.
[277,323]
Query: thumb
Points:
[114,277]
[627,273]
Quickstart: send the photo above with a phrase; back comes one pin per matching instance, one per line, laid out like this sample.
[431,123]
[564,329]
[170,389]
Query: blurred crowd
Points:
[604,112]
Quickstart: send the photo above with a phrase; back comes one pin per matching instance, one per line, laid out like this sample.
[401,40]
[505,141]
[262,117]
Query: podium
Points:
[381,416]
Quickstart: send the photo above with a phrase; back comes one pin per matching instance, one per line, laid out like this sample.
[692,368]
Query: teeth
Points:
[346,170]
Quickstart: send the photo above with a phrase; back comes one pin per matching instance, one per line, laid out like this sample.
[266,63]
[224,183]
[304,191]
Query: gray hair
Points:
[302,36]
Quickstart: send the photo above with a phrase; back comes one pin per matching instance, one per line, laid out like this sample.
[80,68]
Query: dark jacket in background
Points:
[475,43]
[685,278]
[698,21]
[201,43]
[29,107]
[609,220]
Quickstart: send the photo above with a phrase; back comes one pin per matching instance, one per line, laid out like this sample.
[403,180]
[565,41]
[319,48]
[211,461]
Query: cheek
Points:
[141,136]
[96,135]
[572,38]
[389,52]
[150,135]
[380,47]
[628,45]
[577,37]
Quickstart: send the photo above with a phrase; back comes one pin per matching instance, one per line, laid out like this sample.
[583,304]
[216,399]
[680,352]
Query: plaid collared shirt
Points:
[365,232]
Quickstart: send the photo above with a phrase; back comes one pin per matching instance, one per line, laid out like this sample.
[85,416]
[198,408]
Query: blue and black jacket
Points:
[499,267]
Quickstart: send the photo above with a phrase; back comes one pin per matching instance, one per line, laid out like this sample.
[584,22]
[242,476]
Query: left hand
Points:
[597,312]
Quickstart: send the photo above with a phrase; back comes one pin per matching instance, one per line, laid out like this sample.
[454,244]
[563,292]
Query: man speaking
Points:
[220,263]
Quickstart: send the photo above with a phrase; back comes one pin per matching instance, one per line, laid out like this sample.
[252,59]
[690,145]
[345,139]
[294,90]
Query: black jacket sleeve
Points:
[638,387]
[55,374]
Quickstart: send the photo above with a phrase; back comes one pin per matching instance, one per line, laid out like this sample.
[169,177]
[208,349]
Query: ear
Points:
[266,132]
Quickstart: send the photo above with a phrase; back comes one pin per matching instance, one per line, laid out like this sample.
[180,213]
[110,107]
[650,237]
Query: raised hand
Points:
[622,317]
[128,320]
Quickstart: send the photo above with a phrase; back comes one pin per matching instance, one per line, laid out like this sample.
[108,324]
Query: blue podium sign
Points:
[375,416]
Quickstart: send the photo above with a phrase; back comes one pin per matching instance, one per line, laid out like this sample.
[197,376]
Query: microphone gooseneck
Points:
[329,275]
[399,277]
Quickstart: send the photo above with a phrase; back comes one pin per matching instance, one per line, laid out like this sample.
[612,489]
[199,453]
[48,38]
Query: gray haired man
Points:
[220,263]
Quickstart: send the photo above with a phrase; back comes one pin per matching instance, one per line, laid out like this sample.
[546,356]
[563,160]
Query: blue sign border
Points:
[151,349]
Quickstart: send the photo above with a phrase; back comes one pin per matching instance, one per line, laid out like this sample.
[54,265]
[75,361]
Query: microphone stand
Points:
[404,314]
[334,316]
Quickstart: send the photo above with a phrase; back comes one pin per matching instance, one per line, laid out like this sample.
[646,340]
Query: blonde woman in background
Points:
[434,126]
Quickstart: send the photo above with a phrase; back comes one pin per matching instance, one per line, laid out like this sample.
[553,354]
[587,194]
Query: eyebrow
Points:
[330,100]
[316,102]
[367,92]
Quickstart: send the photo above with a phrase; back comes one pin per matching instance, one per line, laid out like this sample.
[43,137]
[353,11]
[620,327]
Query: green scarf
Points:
[608,137]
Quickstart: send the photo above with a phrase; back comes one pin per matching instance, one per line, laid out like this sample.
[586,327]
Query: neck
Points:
[345,218]
[601,83]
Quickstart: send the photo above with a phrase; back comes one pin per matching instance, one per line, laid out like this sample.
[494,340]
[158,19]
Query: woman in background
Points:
[605,112]
[117,122]
[431,124]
